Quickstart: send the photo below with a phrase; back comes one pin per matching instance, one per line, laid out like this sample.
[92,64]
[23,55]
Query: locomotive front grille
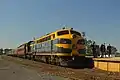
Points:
[82,51]
[64,50]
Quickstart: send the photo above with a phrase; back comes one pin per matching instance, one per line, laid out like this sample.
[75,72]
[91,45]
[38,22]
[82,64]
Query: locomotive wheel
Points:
[25,56]
[62,62]
[47,60]
[54,60]
[43,59]
[57,61]
[29,57]
[33,57]
[51,60]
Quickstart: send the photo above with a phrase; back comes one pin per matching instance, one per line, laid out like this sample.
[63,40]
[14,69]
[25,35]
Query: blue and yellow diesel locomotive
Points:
[59,47]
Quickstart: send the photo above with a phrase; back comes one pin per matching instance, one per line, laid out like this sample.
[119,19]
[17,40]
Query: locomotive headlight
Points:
[73,58]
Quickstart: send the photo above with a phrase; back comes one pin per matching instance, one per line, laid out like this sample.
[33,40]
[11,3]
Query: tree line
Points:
[4,51]
[89,48]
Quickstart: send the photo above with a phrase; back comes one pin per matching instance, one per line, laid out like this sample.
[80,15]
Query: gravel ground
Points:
[12,71]
[29,69]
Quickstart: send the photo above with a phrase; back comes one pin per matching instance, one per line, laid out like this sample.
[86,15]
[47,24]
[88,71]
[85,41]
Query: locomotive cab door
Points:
[51,46]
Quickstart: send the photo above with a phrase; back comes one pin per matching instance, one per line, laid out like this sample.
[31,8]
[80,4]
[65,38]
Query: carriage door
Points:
[52,43]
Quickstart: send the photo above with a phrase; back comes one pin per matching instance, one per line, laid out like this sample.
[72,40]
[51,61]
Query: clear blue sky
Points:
[20,20]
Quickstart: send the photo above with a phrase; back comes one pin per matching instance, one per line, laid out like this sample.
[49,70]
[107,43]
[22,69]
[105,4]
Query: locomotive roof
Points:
[54,33]
[24,43]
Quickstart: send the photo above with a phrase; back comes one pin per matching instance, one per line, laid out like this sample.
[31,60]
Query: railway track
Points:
[72,74]
[78,62]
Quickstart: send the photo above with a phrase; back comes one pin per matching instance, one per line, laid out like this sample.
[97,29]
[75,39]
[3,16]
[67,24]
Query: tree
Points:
[117,54]
[88,46]
[114,50]
[1,51]
[6,51]
[89,42]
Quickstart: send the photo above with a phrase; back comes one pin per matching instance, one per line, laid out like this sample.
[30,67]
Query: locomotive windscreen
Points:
[63,32]
[75,32]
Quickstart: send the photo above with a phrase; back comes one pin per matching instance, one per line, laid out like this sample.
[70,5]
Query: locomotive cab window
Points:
[63,32]
[75,32]
[53,35]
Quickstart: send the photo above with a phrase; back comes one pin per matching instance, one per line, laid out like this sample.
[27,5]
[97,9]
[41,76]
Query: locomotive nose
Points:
[74,36]
[80,46]
[81,42]
[73,46]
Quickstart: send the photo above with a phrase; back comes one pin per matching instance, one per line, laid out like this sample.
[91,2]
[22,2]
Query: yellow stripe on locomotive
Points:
[65,42]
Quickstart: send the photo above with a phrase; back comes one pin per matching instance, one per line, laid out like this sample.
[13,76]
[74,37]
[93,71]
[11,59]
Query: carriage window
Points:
[45,39]
[63,32]
[53,35]
[49,37]
[74,32]
[32,42]
[38,41]
[41,40]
